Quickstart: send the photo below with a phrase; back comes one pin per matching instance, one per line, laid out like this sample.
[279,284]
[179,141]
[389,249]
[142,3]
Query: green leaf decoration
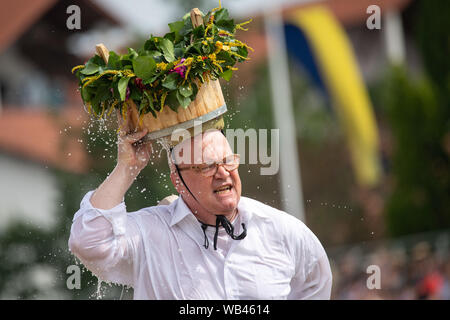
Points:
[150,101]
[178,52]
[102,93]
[187,27]
[98,60]
[227,74]
[194,90]
[150,44]
[90,68]
[171,81]
[227,25]
[154,53]
[226,56]
[85,94]
[176,26]
[144,67]
[186,90]
[152,79]
[172,101]
[165,69]
[184,101]
[132,53]
[122,87]
[114,60]
[198,32]
[221,14]
[170,36]
[135,93]
[166,47]
[242,51]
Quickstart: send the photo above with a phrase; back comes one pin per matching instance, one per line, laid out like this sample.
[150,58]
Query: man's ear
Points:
[177,181]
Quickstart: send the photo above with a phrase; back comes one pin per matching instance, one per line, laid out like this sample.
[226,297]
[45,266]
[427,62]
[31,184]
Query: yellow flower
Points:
[219,46]
[239,26]
[77,67]
[161,66]
[89,80]
[111,108]
[223,33]
[163,99]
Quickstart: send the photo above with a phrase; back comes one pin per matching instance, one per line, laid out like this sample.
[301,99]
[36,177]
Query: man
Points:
[210,243]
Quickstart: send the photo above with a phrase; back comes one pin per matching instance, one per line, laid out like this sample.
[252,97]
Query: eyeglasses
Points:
[229,163]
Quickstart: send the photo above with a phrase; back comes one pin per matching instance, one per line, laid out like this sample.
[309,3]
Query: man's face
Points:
[219,193]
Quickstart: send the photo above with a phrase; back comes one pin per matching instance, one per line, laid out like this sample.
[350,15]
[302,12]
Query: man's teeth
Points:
[223,189]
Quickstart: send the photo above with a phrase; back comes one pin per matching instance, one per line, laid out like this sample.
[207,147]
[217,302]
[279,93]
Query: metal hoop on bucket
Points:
[187,124]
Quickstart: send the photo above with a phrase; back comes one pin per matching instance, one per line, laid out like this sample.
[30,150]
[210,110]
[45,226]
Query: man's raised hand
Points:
[132,153]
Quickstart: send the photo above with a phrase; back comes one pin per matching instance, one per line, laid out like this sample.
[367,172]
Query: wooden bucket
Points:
[207,109]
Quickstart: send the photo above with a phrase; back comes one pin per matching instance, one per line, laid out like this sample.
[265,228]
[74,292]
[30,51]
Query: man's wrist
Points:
[126,174]
[129,172]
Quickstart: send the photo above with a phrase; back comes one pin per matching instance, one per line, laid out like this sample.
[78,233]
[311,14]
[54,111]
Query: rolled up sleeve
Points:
[313,277]
[105,241]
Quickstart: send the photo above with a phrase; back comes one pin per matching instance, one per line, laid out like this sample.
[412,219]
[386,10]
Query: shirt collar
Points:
[183,218]
[181,211]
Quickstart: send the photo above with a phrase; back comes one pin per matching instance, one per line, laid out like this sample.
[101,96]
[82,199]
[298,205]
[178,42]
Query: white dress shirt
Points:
[160,252]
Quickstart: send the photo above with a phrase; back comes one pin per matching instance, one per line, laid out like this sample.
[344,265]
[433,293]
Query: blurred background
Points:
[360,91]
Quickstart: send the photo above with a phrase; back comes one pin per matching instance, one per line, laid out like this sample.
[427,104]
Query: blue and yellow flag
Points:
[317,39]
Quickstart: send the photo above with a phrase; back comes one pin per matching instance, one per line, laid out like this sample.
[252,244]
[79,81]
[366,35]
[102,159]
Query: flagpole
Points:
[394,37]
[291,189]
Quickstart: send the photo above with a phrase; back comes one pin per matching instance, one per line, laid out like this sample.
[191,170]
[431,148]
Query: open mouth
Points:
[223,189]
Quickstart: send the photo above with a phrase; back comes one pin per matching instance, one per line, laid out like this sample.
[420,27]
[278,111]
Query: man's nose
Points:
[221,172]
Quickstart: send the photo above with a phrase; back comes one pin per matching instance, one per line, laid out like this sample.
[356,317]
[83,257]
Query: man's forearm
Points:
[112,191]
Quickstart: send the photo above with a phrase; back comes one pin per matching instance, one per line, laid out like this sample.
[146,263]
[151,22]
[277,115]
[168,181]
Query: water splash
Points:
[164,143]
[99,288]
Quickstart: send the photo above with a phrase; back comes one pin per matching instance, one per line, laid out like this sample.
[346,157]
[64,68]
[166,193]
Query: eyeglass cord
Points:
[229,229]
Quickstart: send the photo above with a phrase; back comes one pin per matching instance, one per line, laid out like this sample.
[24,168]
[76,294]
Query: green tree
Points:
[420,167]
[419,115]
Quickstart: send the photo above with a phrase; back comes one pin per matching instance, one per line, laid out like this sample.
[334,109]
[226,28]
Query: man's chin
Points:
[225,206]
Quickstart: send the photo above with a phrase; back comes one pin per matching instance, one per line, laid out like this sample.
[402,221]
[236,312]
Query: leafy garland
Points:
[166,70]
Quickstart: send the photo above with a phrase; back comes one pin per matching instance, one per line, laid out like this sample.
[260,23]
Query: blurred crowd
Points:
[417,269]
